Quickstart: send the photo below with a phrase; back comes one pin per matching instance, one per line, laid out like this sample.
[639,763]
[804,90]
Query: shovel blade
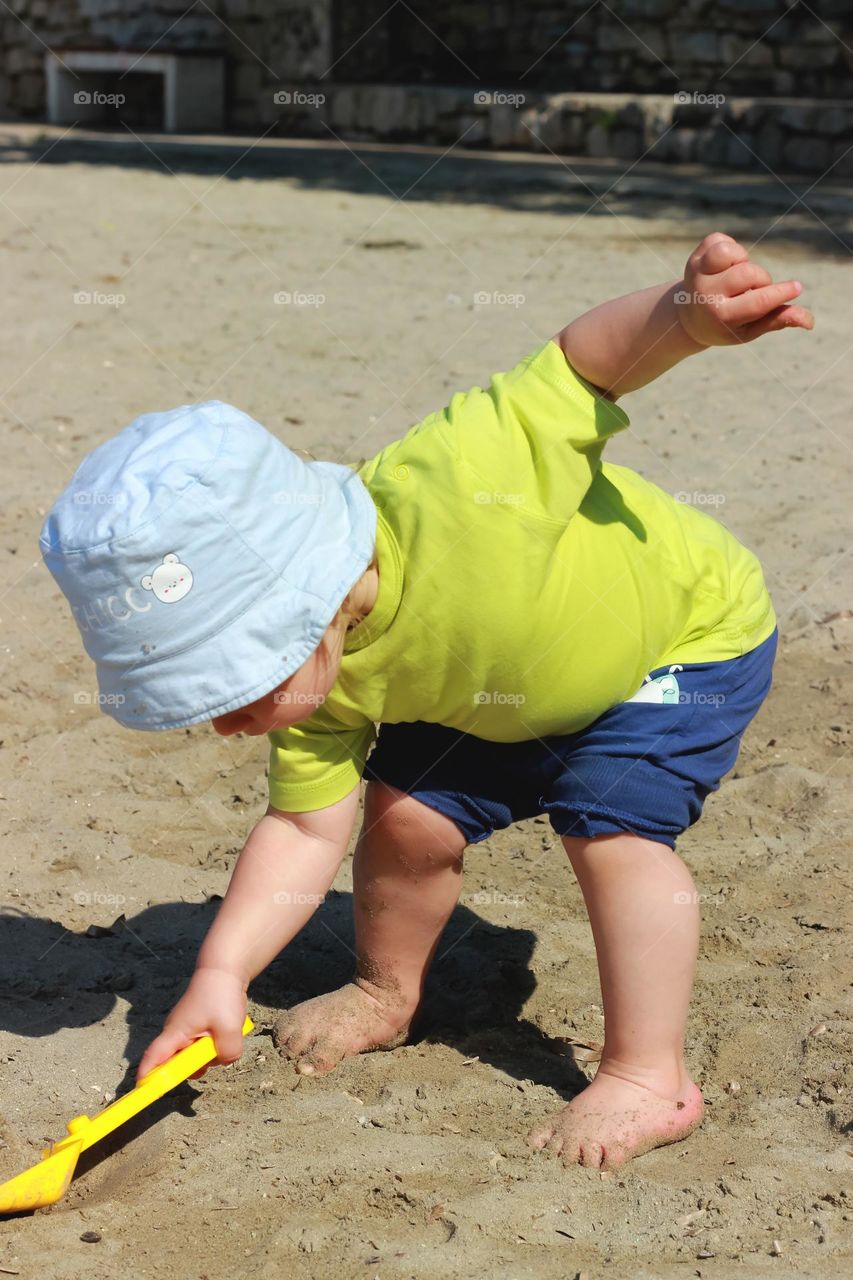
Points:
[48,1180]
[44,1184]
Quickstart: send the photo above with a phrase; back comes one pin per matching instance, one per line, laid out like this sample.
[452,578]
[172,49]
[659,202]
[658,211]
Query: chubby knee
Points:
[419,836]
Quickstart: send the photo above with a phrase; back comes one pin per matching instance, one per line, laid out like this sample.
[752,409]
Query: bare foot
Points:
[318,1033]
[614,1119]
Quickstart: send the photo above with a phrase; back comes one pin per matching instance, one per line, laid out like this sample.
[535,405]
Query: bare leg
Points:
[407,876]
[645,922]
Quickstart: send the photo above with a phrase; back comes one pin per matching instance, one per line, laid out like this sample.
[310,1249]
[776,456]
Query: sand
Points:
[412,1163]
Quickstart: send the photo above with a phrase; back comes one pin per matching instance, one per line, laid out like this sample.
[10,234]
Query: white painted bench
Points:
[193,86]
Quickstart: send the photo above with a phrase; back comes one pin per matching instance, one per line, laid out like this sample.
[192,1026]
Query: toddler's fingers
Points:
[719,255]
[781,318]
[712,238]
[160,1050]
[229,1043]
[755,304]
[743,276]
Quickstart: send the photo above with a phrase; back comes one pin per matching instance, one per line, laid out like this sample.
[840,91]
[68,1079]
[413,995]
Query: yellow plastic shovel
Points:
[48,1180]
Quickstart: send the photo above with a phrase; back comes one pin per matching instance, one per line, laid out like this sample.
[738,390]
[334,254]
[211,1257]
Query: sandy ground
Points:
[412,1163]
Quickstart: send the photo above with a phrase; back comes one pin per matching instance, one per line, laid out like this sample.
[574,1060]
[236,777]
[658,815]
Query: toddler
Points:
[531,629]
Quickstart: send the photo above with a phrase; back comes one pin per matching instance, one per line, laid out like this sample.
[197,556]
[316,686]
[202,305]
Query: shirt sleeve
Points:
[313,766]
[535,435]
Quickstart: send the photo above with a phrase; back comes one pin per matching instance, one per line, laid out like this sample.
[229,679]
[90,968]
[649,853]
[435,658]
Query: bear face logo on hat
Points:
[170,581]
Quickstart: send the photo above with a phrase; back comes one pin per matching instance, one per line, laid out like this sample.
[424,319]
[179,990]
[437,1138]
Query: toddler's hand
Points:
[214,1003]
[727,299]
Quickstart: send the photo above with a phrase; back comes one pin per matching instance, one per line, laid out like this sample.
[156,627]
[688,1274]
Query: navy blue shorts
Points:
[645,766]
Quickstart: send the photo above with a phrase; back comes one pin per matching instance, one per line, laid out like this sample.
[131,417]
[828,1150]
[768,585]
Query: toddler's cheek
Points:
[233,722]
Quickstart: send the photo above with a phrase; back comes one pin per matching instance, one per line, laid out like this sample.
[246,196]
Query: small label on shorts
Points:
[663,690]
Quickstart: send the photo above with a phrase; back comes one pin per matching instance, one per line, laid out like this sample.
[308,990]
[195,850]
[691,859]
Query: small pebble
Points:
[91,1237]
[776,1249]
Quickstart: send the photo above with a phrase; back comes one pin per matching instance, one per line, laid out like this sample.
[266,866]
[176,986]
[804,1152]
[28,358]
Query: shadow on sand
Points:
[813,214]
[478,986]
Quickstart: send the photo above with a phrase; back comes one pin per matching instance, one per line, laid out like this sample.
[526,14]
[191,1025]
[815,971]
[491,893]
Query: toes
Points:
[592,1155]
[290,1039]
[552,1137]
[556,1144]
[283,1031]
[615,1157]
[547,1136]
[318,1060]
[540,1136]
[570,1150]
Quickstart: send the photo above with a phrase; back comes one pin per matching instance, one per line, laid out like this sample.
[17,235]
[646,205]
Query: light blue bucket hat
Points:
[203,561]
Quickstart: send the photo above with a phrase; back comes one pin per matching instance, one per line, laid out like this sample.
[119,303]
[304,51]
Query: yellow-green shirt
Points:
[525,587]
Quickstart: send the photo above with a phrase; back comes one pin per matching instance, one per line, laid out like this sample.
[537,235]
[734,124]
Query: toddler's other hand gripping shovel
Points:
[48,1180]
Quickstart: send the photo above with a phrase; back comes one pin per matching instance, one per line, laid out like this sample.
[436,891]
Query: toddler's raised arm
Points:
[722,300]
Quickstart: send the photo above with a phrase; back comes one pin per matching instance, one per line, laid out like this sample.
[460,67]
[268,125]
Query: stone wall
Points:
[749,48]
[806,136]
[743,83]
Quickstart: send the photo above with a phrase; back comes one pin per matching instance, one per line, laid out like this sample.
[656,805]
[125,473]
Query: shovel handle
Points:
[185,1063]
